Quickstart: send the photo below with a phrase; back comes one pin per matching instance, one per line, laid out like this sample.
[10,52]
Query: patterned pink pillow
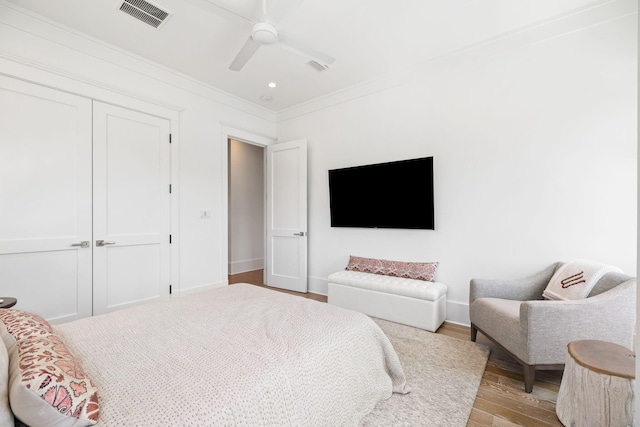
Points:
[408,270]
[47,385]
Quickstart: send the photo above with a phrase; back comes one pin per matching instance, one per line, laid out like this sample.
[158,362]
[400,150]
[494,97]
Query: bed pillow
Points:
[409,270]
[47,385]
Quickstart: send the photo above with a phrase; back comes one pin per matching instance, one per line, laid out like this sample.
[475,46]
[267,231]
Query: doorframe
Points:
[226,133]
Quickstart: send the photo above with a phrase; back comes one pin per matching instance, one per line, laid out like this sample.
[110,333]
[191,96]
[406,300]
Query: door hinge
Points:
[169,289]
[170,139]
[169,188]
[169,238]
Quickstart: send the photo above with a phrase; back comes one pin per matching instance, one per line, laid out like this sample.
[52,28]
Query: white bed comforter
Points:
[235,356]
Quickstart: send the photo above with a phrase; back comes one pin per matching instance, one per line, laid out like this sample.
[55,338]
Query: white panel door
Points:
[130,207]
[45,200]
[287,215]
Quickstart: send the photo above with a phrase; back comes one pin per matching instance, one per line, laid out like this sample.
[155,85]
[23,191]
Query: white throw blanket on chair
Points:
[576,279]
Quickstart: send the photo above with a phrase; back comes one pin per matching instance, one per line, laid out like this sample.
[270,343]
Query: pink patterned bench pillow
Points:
[47,384]
[409,270]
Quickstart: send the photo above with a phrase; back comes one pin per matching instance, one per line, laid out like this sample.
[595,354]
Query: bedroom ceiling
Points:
[369,39]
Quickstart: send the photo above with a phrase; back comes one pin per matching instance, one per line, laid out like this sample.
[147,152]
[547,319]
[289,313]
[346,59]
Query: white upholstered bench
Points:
[411,302]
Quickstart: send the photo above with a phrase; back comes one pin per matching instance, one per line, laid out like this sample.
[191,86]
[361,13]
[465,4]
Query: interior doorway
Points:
[246,207]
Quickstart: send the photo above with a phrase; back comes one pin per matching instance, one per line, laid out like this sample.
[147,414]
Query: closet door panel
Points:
[131,207]
[45,200]
[133,274]
[45,283]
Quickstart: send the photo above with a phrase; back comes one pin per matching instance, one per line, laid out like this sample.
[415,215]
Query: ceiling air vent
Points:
[146,12]
[317,65]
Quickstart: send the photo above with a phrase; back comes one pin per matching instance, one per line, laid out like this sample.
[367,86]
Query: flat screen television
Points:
[384,195]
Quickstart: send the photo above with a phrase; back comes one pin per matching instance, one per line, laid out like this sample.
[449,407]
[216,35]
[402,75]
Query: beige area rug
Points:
[444,374]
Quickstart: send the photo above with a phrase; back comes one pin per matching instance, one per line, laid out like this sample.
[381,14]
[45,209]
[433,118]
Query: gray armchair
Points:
[512,314]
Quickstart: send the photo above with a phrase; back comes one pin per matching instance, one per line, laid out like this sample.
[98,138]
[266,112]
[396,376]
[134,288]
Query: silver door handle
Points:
[301,234]
[83,244]
[103,243]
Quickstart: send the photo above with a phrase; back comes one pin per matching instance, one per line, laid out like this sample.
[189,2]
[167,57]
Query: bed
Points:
[235,356]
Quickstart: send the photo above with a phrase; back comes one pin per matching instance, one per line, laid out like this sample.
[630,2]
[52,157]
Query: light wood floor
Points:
[501,400]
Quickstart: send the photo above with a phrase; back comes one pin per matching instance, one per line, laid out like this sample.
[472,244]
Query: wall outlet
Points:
[205,214]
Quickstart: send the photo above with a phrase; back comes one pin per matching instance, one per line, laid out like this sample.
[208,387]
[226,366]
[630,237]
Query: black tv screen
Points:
[384,195]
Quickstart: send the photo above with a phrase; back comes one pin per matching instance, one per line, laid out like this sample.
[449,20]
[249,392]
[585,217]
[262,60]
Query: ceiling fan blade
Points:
[281,10]
[250,47]
[304,50]
[223,12]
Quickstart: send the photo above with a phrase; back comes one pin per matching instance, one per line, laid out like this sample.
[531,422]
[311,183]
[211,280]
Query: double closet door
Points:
[84,203]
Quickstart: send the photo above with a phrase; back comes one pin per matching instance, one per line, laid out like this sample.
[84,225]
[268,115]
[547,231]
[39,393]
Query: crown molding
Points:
[16,18]
[578,19]
[28,22]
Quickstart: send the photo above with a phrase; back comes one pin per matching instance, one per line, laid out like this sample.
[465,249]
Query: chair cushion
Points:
[608,281]
[500,319]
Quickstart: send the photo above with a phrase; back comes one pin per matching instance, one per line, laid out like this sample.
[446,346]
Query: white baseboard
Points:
[317,285]
[183,292]
[458,312]
[246,265]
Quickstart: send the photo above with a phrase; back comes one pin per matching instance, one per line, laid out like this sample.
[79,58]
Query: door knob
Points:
[103,243]
[83,244]
[301,234]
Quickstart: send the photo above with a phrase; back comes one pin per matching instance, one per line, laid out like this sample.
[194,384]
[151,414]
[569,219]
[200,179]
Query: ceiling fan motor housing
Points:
[264,33]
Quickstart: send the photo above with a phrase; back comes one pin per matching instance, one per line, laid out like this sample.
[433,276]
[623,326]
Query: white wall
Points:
[34,49]
[534,160]
[246,207]
[534,147]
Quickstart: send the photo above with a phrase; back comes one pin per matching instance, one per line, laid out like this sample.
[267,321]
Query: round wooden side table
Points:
[6,302]
[597,387]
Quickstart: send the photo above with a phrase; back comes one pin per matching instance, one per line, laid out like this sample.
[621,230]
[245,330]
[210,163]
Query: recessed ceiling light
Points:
[266,98]
[272,85]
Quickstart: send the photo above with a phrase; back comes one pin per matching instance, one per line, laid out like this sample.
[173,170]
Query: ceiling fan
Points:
[265,32]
